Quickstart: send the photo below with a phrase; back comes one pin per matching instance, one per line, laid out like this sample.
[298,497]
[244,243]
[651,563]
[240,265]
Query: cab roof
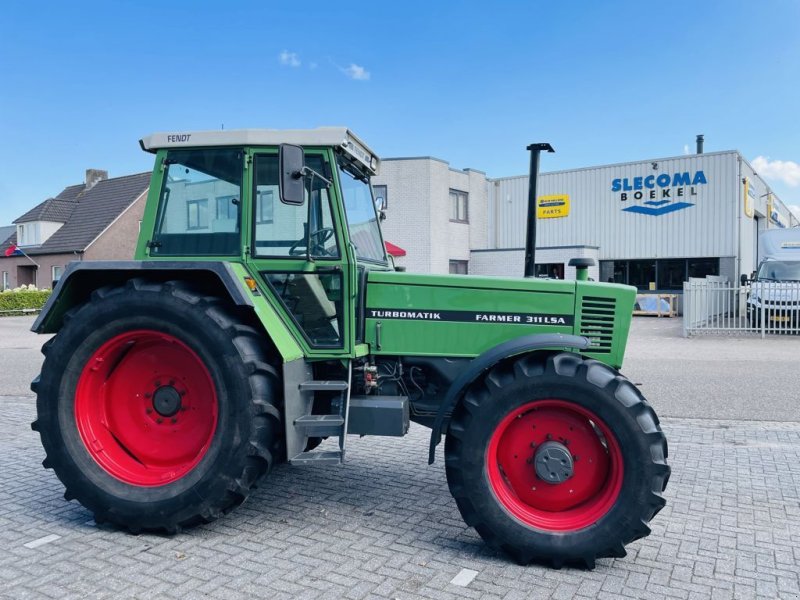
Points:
[336,137]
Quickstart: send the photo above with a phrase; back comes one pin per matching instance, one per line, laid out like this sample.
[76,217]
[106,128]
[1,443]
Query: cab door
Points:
[299,256]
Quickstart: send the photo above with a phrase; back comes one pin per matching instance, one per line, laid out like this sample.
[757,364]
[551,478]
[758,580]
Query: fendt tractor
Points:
[261,315]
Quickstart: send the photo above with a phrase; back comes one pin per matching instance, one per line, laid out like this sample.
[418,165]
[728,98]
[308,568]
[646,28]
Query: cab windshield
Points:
[779,270]
[362,219]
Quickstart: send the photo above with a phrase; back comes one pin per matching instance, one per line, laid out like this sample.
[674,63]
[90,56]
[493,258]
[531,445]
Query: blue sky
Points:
[472,83]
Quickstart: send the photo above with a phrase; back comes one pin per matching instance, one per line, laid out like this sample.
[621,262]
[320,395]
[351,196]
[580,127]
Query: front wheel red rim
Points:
[146,408]
[595,481]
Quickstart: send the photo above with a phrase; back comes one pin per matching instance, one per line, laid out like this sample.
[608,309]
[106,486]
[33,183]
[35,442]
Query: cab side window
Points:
[199,212]
[284,230]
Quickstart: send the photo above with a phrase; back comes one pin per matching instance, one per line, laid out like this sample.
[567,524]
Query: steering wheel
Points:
[316,240]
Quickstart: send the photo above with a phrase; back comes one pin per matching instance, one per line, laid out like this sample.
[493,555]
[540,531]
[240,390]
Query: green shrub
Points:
[25,298]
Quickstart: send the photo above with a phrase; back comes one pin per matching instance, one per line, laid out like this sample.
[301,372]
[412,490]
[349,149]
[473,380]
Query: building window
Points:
[702,267]
[265,207]
[197,214]
[227,208]
[459,267]
[57,271]
[5,280]
[381,196]
[671,274]
[459,207]
[667,274]
[549,270]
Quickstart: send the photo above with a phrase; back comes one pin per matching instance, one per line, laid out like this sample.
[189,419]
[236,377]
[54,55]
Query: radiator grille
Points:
[597,323]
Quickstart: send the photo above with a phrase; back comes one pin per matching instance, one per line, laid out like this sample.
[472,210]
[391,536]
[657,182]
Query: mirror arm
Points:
[309,172]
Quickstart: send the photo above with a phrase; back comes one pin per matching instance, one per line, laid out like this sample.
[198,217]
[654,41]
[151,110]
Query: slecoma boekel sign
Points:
[659,194]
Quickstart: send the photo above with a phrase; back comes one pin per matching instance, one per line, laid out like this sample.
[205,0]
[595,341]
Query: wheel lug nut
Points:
[174,420]
[158,384]
[159,420]
[182,392]
[148,395]
[148,410]
[172,382]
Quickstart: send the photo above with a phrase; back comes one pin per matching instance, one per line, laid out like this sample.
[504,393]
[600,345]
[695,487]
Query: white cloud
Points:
[356,72]
[312,65]
[289,59]
[786,171]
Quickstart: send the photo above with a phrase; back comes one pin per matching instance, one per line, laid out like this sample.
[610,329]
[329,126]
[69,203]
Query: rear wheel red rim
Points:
[146,408]
[579,501]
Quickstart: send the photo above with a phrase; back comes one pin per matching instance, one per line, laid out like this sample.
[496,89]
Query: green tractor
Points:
[262,315]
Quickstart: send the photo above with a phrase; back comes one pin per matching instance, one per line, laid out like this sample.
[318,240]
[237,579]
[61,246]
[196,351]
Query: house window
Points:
[265,207]
[227,208]
[459,267]
[57,271]
[381,196]
[197,214]
[459,212]
[5,280]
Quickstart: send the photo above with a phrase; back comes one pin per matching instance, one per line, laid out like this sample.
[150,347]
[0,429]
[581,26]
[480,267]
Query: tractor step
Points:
[330,457]
[320,425]
[324,386]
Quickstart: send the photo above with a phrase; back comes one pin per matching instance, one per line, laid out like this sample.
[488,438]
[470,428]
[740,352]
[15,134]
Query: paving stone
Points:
[384,526]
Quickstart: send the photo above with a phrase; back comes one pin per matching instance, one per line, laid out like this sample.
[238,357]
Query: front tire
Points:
[158,406]
[556,459]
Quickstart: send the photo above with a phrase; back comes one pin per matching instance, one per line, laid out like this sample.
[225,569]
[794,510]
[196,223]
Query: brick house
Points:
[96,220]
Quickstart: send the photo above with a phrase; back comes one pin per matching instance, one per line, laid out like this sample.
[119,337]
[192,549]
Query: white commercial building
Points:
[650,223]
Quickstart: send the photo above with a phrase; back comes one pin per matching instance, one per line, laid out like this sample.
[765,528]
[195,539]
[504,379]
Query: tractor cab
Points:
[297,206]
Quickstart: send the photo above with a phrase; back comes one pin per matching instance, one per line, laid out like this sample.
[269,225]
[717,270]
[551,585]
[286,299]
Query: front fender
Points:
[483,362]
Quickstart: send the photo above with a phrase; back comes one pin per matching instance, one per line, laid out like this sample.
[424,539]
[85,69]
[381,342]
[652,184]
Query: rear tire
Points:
[582,408]
[158,407]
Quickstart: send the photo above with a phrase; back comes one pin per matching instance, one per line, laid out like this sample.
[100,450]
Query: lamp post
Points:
[530,237]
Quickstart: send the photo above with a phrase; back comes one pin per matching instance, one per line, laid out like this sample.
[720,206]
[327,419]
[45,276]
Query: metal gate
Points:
[714,305]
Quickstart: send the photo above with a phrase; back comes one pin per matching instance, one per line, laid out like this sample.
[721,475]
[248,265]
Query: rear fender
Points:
[224,279]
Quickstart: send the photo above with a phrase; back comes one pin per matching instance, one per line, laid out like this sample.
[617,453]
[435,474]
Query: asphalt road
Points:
[702,378]
[720,377]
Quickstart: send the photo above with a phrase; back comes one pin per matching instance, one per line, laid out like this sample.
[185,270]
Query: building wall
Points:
[118,241]
[597,216]
[43,273]
[511,262]
[418,212]
[407,224]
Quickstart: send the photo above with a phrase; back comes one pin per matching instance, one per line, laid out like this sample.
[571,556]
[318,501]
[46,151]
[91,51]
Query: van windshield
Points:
[779,270]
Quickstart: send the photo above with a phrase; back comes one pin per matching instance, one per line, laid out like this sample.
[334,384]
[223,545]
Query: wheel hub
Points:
[553,462]
[167,401]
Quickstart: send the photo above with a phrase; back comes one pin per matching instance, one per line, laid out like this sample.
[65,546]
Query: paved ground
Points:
[384,525]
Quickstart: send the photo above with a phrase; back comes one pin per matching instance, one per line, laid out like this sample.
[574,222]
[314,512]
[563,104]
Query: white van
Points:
[775,289]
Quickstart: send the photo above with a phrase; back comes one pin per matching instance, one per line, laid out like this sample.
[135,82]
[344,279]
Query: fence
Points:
[714,305]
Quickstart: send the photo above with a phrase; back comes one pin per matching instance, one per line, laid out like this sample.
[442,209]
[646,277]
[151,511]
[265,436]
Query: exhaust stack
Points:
[699,143]
[530,236]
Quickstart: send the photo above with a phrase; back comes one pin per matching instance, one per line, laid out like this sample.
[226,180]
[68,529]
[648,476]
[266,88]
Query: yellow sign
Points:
[552,207]
[749,199]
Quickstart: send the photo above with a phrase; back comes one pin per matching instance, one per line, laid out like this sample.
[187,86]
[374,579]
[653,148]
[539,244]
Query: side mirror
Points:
[743,279]
[291,164]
